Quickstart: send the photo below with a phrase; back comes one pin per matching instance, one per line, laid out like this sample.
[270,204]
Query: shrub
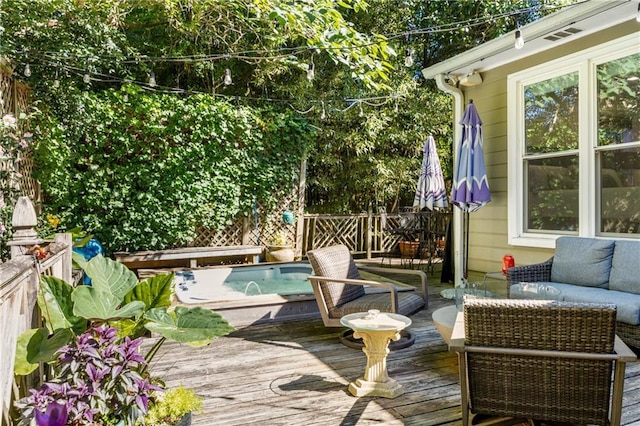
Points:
[143,171]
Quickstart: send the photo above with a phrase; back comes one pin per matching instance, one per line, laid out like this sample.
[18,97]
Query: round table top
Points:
[374,320]
[534,291]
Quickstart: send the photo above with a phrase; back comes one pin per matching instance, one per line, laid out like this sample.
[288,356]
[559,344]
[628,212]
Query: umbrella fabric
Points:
[430,191]
[470,187]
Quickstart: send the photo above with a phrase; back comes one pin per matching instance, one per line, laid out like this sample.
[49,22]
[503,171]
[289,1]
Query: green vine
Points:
[143,171]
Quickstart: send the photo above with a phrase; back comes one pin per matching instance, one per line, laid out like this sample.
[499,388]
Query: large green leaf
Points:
[110,276]
[155,291]
[35,346]
[56,305]
[92,303]
[194,326]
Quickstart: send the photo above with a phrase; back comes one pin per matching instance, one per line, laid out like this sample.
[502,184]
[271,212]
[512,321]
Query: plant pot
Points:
[280,254]
[185,420]
[409,249]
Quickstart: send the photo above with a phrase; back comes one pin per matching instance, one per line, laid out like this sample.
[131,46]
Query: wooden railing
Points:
[19,283]
[373,234]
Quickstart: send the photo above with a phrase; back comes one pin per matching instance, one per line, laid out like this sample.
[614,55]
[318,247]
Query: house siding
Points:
[488,226]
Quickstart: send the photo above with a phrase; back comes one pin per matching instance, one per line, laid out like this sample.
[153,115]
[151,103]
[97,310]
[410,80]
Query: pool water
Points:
[281,279]
[243,281]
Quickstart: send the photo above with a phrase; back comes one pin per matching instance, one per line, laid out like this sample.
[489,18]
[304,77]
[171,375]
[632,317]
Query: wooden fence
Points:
[374,234]
[19,283]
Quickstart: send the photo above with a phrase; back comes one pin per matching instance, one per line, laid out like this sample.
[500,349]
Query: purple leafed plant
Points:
[96,380]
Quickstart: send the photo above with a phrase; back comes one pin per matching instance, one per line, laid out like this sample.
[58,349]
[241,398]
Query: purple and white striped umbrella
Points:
[430,191]
[470,187]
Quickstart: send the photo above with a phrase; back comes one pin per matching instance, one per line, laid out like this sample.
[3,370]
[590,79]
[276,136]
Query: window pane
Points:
[618,93]
[620,191]
[551,114]
[552,196]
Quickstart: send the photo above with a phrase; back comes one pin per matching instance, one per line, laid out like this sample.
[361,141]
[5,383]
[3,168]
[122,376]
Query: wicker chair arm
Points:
[530,273]
[387,286]
[393,292]
[421,274]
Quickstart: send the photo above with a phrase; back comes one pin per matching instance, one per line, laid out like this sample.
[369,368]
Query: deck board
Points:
[297,373]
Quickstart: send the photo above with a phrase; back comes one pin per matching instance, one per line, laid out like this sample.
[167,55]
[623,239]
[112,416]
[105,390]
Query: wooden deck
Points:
[296,373]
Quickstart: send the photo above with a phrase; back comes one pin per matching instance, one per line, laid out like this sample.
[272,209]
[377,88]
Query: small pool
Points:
[284,279]
[250,294]
[237,282]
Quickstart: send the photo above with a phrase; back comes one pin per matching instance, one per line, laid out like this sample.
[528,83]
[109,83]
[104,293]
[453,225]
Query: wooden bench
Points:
[188,256]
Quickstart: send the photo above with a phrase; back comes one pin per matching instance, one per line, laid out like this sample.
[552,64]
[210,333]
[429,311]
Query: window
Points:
[574,146]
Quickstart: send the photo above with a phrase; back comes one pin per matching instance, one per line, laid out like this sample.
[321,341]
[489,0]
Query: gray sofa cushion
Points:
[627,305]
[624,267]
[582,261]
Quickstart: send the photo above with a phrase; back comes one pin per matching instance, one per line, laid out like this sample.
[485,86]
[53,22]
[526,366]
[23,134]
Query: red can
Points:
[507,262]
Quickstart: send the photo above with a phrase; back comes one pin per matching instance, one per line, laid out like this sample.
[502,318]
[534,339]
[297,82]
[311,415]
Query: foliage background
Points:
[143,170]
[356,161]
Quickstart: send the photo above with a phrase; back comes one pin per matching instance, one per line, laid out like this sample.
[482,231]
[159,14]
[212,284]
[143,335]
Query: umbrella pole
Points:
[465,270]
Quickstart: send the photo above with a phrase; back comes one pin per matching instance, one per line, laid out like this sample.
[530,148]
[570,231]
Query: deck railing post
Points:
[24,222]
[369,229]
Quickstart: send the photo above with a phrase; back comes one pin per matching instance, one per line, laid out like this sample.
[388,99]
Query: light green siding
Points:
[488,226]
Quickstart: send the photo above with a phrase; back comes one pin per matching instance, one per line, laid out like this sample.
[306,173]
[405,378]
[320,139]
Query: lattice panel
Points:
[270,224]
[14,99]
[329,230]
[6,90]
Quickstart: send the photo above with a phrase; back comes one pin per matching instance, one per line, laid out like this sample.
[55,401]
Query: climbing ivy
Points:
[143,171]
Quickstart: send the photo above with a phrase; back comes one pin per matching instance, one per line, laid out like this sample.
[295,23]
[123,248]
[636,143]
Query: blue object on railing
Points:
[90,250]
[287,217]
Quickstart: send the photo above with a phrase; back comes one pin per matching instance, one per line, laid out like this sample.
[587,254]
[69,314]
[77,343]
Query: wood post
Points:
[24,222]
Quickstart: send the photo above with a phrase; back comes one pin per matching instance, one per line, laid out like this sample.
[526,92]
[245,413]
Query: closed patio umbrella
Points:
[470,189]
[430,191]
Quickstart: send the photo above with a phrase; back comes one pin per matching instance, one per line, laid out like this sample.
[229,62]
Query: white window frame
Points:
[585,63]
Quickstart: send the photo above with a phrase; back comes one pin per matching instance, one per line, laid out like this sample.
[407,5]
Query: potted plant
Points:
[128,309]
[174,407]
[279,249]
[97,379]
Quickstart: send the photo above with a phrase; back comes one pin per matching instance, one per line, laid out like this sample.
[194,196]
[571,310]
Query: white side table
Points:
[444,320]
[376,329]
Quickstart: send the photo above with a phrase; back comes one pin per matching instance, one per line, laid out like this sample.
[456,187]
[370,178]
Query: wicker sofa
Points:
[593,270]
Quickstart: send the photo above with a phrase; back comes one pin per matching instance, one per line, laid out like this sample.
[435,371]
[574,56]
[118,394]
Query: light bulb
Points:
[324,113]
[27,71]
[408,59]
[395,107]
[227,77]
[311,73]
[519,40]
[86,78]
[152,79]
[56,81]
[361,113]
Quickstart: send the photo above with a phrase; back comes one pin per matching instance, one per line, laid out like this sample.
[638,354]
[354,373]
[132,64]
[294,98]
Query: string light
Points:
[519,44]
[395,107]
[408,59]
[27,70]
[152,79]
[361,113]
[323,115]
[311,73]
[56,81]
[227,77]
[86,78]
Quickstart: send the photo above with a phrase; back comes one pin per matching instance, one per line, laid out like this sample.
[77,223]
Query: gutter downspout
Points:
[458,237]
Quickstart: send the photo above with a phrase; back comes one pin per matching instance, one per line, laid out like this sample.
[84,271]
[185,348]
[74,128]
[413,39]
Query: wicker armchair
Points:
[340,290]
[542,272]
[540,360]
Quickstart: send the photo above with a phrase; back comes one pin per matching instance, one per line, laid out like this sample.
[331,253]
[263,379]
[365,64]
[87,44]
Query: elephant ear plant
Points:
[92,339]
